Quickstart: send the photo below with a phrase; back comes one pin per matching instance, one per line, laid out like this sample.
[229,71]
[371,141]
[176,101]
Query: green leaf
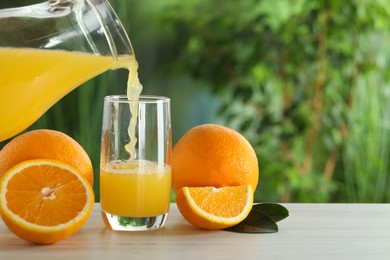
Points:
[255,222]
[261,219]
[273,210]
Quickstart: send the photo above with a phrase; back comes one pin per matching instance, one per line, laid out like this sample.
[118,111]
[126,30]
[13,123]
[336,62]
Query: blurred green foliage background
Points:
[307,82]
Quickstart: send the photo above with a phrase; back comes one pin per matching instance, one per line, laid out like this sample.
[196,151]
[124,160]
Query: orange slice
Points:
[44,201]
[215,208]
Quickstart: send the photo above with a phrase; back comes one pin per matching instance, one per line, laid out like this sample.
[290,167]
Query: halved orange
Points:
[215,208]
[44,201]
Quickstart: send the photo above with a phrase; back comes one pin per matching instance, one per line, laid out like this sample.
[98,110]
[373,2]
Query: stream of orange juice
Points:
[32,80]
[135,188]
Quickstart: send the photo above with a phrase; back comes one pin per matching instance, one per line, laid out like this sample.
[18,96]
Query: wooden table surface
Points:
[312,231]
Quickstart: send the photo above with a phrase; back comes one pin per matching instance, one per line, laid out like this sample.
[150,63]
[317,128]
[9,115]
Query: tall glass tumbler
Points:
[135,166]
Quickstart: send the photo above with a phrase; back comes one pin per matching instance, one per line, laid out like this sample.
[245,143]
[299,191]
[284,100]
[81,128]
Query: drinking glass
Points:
[135,166]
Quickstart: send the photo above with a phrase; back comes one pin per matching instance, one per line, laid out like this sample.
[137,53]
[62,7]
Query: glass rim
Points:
[142,99]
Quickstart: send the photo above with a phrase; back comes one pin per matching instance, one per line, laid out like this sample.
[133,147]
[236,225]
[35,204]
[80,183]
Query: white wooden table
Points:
[312,231]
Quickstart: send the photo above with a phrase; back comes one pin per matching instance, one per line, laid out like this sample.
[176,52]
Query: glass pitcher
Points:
[50,48]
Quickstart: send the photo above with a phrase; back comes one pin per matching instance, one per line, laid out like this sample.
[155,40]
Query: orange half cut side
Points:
[44,201]
[215,208]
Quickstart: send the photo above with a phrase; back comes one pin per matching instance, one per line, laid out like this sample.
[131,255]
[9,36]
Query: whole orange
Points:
[213,155]
[46,144]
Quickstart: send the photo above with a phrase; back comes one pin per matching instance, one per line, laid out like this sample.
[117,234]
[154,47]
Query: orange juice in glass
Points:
[141,188]
[135,180]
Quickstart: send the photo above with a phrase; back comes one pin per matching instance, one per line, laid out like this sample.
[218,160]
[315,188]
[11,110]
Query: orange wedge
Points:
[215,208]
[44,201]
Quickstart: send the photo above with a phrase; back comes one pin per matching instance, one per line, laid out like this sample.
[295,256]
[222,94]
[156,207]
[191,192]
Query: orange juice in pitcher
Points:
[32,80]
